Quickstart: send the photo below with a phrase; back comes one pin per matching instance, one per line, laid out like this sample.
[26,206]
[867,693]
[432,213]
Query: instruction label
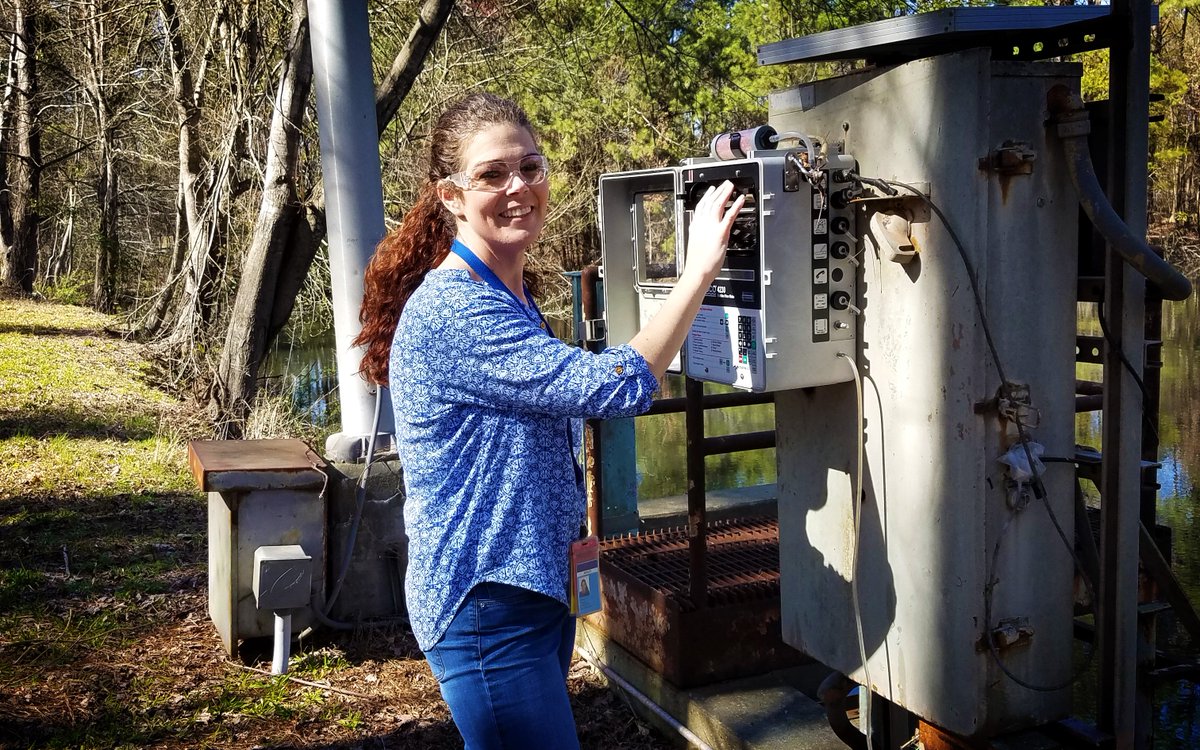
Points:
[724,345]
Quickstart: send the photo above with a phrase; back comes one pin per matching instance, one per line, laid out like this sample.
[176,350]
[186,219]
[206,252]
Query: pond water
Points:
[307,370]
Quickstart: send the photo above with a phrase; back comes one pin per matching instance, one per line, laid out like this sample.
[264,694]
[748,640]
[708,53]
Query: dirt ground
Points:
[173,687]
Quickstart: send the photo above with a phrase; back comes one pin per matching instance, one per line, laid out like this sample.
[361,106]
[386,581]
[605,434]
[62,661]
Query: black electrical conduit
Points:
[1070,119]
[832,694]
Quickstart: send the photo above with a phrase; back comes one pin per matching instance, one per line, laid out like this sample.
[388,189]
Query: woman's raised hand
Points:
[709,231]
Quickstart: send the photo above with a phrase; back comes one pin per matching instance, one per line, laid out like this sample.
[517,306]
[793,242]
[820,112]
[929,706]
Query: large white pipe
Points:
[341,50]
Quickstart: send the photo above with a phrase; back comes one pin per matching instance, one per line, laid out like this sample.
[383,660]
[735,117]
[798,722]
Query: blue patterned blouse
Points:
[483,401]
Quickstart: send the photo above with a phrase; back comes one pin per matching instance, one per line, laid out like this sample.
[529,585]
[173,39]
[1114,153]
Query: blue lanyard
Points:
[488,275]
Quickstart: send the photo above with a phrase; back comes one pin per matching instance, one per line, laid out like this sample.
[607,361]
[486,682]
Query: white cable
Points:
[658,710]
[856,490]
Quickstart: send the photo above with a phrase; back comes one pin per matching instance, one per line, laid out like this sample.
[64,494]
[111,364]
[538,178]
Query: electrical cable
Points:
[1037,486]
[812,173]
[792,135]
[360,501]
[321,611]
[856,491]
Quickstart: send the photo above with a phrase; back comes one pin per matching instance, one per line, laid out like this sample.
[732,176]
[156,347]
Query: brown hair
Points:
[422,241]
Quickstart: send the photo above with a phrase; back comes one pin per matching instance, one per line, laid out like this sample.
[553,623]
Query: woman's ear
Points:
[451,197]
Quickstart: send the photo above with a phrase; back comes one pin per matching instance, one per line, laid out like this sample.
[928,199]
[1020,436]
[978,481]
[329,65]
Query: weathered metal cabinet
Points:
[260,493]
[936,510]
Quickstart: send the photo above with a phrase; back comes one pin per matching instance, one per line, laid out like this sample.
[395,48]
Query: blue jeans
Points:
[502,666]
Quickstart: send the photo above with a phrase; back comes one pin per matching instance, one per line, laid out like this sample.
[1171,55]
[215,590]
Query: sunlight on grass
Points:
[24,315]
[60,464]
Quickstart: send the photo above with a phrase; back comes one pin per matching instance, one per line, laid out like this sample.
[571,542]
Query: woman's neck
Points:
[509,267]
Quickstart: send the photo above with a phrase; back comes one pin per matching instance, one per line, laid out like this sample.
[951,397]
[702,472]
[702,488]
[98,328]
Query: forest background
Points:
[158,158]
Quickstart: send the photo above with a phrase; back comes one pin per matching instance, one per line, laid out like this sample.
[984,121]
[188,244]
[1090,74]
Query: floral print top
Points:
[483,400]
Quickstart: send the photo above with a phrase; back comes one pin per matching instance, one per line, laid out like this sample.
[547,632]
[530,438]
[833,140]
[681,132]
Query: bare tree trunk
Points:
[199,212]
[7,105]
[286,235]
[279,242]
[21,260]
[58,264]
[108,251]
[410,60]
[108,241]
[152,324]
[194,264]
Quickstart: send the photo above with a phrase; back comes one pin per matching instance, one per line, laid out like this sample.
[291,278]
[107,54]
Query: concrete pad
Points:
[766,712]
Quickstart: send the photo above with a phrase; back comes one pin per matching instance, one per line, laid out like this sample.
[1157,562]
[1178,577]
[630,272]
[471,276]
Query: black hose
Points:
[832,694]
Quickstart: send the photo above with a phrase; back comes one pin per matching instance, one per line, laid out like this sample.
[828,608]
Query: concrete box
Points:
[260,493]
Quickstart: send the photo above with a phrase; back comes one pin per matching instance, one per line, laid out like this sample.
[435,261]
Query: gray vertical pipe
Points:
[341,50]
[1124,306]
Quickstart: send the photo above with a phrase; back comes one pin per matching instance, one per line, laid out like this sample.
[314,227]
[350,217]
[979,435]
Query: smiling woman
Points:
[503,210]
[484,399]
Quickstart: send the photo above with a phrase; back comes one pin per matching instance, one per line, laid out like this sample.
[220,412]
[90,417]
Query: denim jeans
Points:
[502,666]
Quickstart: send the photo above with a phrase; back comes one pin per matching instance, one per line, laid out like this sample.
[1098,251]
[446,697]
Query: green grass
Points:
[104,642]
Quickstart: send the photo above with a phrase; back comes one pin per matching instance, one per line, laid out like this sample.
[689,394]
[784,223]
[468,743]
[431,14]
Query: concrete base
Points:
[767,712]
[374,584]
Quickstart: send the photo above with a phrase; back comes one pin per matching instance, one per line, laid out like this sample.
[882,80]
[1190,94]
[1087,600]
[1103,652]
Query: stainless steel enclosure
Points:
[936,503]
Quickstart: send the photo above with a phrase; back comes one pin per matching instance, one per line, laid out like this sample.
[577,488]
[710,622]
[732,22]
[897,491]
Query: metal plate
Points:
[239,465]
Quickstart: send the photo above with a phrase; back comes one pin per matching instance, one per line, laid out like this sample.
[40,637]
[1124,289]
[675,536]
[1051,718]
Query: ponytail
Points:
[401,260]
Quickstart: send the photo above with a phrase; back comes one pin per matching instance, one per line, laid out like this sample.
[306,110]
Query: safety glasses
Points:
[496,176]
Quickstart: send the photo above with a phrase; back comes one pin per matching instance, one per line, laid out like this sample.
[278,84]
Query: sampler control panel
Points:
[783,305]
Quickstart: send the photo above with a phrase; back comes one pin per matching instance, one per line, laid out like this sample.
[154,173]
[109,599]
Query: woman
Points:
[483,397]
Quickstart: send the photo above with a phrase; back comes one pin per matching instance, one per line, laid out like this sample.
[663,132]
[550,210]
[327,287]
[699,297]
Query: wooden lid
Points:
[240,465]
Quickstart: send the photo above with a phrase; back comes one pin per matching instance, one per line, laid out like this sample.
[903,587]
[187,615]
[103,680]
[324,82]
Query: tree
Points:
[19,239]
[281,248]
[287,232]
[207,185]
[96,37]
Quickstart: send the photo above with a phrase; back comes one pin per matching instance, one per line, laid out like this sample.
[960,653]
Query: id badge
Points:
[585,576]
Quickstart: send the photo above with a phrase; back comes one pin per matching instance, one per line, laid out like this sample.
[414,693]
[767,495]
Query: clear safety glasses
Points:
[496,176]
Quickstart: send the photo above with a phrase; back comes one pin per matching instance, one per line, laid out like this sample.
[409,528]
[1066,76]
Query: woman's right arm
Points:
[663,335]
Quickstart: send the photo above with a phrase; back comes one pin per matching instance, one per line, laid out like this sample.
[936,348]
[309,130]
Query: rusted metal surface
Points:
[649,608]
[234,465]
[696,491]
[935,738]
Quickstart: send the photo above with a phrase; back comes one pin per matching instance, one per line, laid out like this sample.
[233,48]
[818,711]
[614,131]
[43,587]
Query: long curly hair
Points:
[423,238]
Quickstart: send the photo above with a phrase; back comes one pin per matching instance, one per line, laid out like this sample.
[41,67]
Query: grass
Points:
[102,551]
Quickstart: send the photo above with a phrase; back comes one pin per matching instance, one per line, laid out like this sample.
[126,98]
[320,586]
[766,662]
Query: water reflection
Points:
[306,370]
[1178,430]
[1177,714]
[662,441]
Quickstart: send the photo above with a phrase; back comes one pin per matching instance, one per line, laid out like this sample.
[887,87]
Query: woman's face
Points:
[503,222]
